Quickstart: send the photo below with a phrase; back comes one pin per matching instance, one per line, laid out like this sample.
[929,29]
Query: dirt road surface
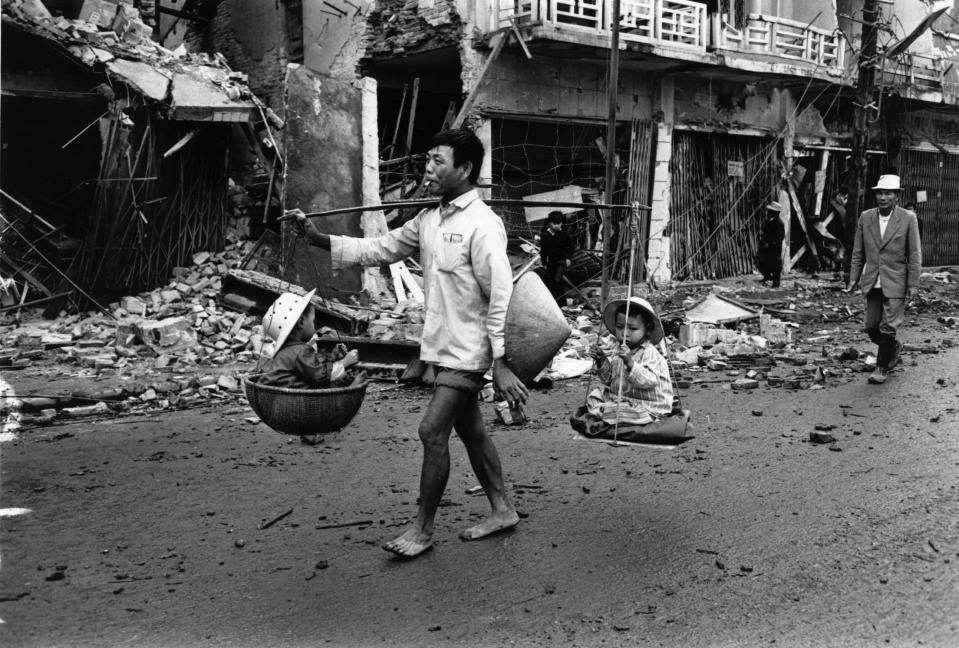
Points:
[146,531]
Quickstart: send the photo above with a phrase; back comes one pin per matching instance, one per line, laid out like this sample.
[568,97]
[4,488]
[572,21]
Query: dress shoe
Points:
[894,356]
[878,376]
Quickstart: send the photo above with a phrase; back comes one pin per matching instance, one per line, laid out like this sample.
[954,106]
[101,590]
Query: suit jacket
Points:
[895,258]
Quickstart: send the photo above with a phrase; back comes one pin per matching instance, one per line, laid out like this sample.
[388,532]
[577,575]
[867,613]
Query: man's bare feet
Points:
[411,544]
[495,523]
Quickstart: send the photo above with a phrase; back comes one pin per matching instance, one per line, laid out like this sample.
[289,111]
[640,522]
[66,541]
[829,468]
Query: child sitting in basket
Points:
[646,389]
[295,362]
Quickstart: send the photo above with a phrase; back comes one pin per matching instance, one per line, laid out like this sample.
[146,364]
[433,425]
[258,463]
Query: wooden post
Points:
[498,40]
[860,128]
[612,91]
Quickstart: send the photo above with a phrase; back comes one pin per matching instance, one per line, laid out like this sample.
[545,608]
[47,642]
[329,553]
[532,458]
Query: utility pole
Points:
[612,92]
[866,87]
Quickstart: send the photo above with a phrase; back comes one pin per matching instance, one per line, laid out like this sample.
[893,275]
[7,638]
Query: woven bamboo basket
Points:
[535,327]
[304,412]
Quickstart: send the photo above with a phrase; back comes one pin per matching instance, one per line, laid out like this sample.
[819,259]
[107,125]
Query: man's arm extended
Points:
[305,225]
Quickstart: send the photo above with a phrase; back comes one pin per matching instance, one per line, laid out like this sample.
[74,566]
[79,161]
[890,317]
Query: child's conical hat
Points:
[281,318]
[655,334]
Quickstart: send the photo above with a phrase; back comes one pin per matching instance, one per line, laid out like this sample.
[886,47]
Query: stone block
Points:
[745,383]
[86,410]
[817,436]
[134,305]
[228,383]
[168,335]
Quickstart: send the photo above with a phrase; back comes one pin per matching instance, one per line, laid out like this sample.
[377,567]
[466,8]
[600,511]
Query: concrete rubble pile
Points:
[185,332]
[109,32]
[170,331]
[782,343]
[183,343]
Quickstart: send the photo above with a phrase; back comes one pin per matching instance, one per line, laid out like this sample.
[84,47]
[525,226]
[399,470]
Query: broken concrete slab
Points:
[143,77]
[718,309]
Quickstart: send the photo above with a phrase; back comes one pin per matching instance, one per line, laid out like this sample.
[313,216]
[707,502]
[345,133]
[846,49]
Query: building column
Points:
[484,131]
[658,261]
[373,223]
[789,110]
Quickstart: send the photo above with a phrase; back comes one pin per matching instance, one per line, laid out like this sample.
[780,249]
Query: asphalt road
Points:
[145,531]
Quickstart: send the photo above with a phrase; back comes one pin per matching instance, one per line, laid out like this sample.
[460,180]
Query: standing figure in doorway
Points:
[769,258]
[886,258]
[555,252]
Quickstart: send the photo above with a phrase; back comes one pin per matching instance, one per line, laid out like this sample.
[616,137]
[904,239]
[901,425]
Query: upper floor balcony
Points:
[913,71]
[680,23]
[685,30]
[772,36]
[679,29]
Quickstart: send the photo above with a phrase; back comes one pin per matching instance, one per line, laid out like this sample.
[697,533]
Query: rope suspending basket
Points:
[304,412]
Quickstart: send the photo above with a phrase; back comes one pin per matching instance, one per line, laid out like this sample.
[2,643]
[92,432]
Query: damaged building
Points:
[722,106]
[117,169]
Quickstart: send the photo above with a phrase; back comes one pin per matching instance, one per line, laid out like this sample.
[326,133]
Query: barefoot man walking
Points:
[467,286]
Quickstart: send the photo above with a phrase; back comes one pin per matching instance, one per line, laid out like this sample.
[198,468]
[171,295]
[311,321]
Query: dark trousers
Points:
[884,316]
[553,278]
[770,264]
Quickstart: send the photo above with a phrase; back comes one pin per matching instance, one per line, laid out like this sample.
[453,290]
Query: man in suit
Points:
[886,258]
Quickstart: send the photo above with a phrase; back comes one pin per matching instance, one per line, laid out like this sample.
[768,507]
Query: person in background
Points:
[886,259]
[555,253]
[769,258]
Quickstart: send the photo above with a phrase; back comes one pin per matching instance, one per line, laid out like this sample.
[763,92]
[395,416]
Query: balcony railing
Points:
[672,22]
[914,69]
[681,23]
[781,37]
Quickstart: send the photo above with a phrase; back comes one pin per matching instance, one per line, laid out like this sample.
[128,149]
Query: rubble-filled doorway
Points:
[930,181]
[565,161]
[720,185]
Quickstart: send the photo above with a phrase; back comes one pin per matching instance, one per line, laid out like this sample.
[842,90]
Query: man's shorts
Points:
[468,381]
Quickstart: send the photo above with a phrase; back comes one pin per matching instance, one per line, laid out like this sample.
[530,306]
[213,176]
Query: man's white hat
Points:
[774,206]
[282,316]
[888,183]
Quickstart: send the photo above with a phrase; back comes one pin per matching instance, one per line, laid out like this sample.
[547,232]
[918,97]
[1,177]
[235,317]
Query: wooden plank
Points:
[27,275]
[801,218]
[409,282]
[519,37]
[819,195]
[498,40]
[265,289]
[398,289]
[412,122]
[794,258]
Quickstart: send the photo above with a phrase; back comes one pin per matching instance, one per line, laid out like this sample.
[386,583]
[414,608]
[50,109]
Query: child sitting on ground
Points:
[647,390]
[296,363]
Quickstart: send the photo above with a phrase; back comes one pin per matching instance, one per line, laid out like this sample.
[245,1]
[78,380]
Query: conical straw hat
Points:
[535,327]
